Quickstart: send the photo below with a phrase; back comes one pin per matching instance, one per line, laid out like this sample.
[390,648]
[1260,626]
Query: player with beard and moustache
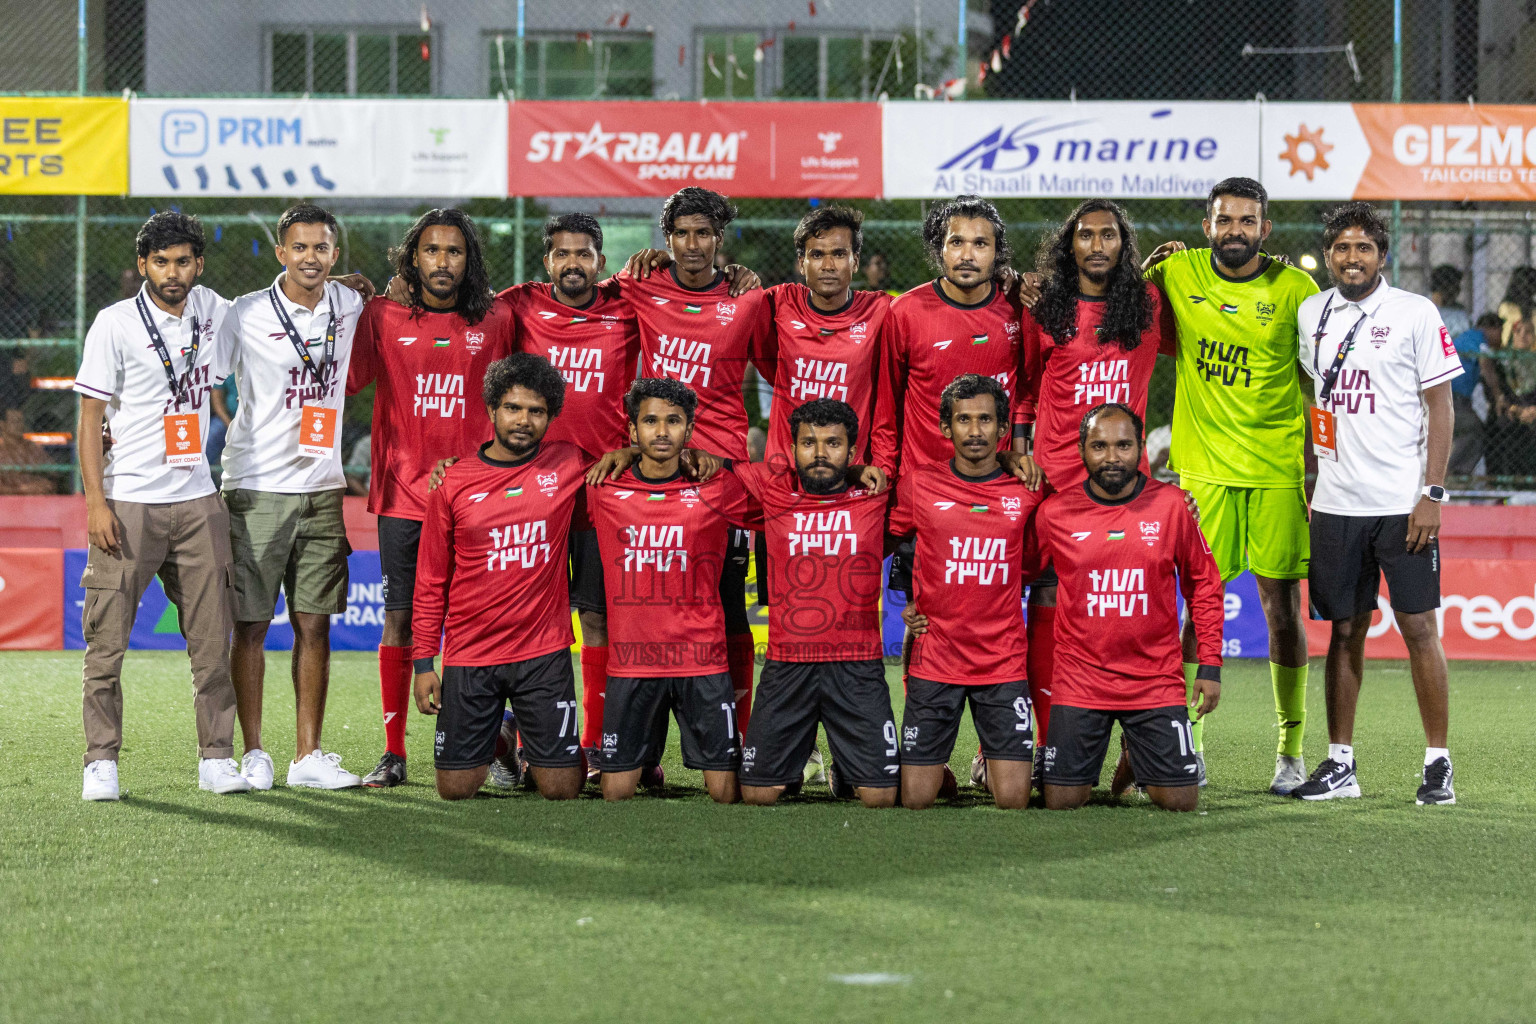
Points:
[695,330]
[1237,431]
[664,539]
[422,354]
[971,521]
[1093,336]
[590,334]
[490,584]
[825,533]
[1125,546]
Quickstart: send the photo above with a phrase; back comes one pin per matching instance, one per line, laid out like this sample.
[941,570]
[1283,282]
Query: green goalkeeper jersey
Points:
[1238,417]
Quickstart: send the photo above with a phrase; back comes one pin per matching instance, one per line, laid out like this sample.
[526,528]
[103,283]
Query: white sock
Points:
[1342,753]
[1433,754]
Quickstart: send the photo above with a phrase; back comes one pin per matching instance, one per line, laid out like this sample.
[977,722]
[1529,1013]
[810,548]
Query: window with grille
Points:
[350,61]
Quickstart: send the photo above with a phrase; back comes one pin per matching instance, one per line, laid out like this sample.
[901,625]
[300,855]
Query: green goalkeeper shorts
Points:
[1263,529]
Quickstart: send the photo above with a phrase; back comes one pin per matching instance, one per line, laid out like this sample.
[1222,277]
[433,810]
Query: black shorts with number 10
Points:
[850,698]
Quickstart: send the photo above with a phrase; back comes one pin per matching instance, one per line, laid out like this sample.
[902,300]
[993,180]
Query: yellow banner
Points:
[63,146]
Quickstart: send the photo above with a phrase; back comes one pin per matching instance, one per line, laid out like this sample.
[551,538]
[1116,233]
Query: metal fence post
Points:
[81,58]
[518,277]
[1397,97]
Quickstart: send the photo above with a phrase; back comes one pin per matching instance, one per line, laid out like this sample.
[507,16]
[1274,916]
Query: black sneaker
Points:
[1328,781]
[389,772]
[653,779]
[841,788]
[1037,774]
[1437,783]
[524,776]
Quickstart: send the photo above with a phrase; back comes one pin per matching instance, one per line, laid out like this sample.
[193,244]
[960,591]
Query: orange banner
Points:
[1448,151]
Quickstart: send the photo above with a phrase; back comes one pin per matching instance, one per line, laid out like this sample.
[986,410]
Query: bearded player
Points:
[1093,336]
[1237,430]
[1124,547]
[427,357]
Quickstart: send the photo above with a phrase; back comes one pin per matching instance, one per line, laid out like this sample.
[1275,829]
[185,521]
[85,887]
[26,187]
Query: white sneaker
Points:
[1290,773]
[221,775]
[319,770]
[815,771]
[100,781]
[256,766]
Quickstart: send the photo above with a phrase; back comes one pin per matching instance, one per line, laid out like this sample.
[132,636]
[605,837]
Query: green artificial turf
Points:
[178,905]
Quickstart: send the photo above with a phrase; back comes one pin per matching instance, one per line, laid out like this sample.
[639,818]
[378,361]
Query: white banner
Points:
[1312,150]
[314,148]
[1048,148]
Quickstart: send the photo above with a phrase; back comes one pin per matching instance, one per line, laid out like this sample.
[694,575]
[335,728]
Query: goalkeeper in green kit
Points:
[1238,428]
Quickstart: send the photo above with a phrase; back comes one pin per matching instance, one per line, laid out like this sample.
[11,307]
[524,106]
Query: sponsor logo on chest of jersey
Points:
[518,546]
[941,345]
[1352,393]
[407,340]
[1106,380]
[1224,364]
[823,533]
[303,389]
[1197,299]
[582,367]
[1120,592]
[440,394]
[549,483]
[1149,532]
[1264,312]
[979,560]
[474,341]
[819,378]
[478,498]
[681,359]
[1082,535]
[657,546]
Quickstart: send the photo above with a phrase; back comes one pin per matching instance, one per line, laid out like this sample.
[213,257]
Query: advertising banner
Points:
[1135,150]
[653,149]
[1450,151]
[29,620]
[156,627]
[61,146]
[296,147]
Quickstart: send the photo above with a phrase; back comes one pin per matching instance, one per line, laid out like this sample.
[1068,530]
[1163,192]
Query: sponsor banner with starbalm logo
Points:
[1131,150]
[1450,151]
[318,148]
[560,148]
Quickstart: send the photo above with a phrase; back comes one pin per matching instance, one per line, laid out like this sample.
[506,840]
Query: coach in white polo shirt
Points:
[146,375]
[289,347]
[1381,428]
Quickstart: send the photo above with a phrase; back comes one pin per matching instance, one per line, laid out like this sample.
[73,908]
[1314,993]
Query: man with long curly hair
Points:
[427,357]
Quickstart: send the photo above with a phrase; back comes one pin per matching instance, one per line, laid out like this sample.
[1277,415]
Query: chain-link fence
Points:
[62,259]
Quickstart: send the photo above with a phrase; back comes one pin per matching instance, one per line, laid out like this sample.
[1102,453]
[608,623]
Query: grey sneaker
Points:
[1200,760]
[815,772]
[1290,772]
[499,781]
[1437,788]
[979,771]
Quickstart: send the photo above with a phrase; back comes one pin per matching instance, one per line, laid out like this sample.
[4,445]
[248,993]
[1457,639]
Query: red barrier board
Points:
[1487,610]
[620,148]
[31,612]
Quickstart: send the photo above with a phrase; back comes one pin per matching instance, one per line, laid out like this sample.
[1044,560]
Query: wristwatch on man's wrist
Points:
[1435,493]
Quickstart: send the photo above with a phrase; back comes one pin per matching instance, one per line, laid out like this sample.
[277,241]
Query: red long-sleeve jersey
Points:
[1062,380]
[973,542]
[492,566]
[704,338]
[1121,565]
[934,340]
[663,544]
[427,406]
[825,553]
[593,346]
[830,355]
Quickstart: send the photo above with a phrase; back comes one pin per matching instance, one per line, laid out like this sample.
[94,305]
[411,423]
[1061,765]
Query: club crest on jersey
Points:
[689,496]
[474,341]
[549,483]
[858,331]
[477,498]
[1379,336]
[1011,328]
[1117,535]
[1013,508]
[1149,532]
[1265,312]
[725,312]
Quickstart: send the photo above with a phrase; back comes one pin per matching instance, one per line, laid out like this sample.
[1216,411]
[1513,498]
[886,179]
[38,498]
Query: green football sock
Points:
[1290,706]
[1196,725]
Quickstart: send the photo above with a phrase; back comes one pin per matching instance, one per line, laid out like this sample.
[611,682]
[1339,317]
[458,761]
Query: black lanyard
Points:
[1332,376]
[327,359]
[178,387]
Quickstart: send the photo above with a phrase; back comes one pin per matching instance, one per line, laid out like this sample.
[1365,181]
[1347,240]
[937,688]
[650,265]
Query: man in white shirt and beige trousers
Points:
[145,378]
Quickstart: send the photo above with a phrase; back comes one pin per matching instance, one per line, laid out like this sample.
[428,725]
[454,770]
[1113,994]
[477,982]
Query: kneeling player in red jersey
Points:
[825,537]
[971,520]
[491,570]
[1124,546]
[663,540]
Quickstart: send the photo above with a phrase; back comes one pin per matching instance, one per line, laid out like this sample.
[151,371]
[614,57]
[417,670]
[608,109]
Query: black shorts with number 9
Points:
[1001,712]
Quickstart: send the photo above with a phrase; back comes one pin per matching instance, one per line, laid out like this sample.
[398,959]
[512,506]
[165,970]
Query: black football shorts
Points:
[635,721]
[542,692]
[849,698]
[1158,740]
[1001,712]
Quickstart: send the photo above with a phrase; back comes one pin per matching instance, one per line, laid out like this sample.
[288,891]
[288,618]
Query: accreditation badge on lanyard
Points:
[1325,441]
[317,423]
[183,430]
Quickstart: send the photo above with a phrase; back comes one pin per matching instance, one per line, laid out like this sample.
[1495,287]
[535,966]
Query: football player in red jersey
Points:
[1124,547]
[490,579]
[694,330]
[428,356]
[970,520]
[589,333]
[663,539]
[1093,336]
